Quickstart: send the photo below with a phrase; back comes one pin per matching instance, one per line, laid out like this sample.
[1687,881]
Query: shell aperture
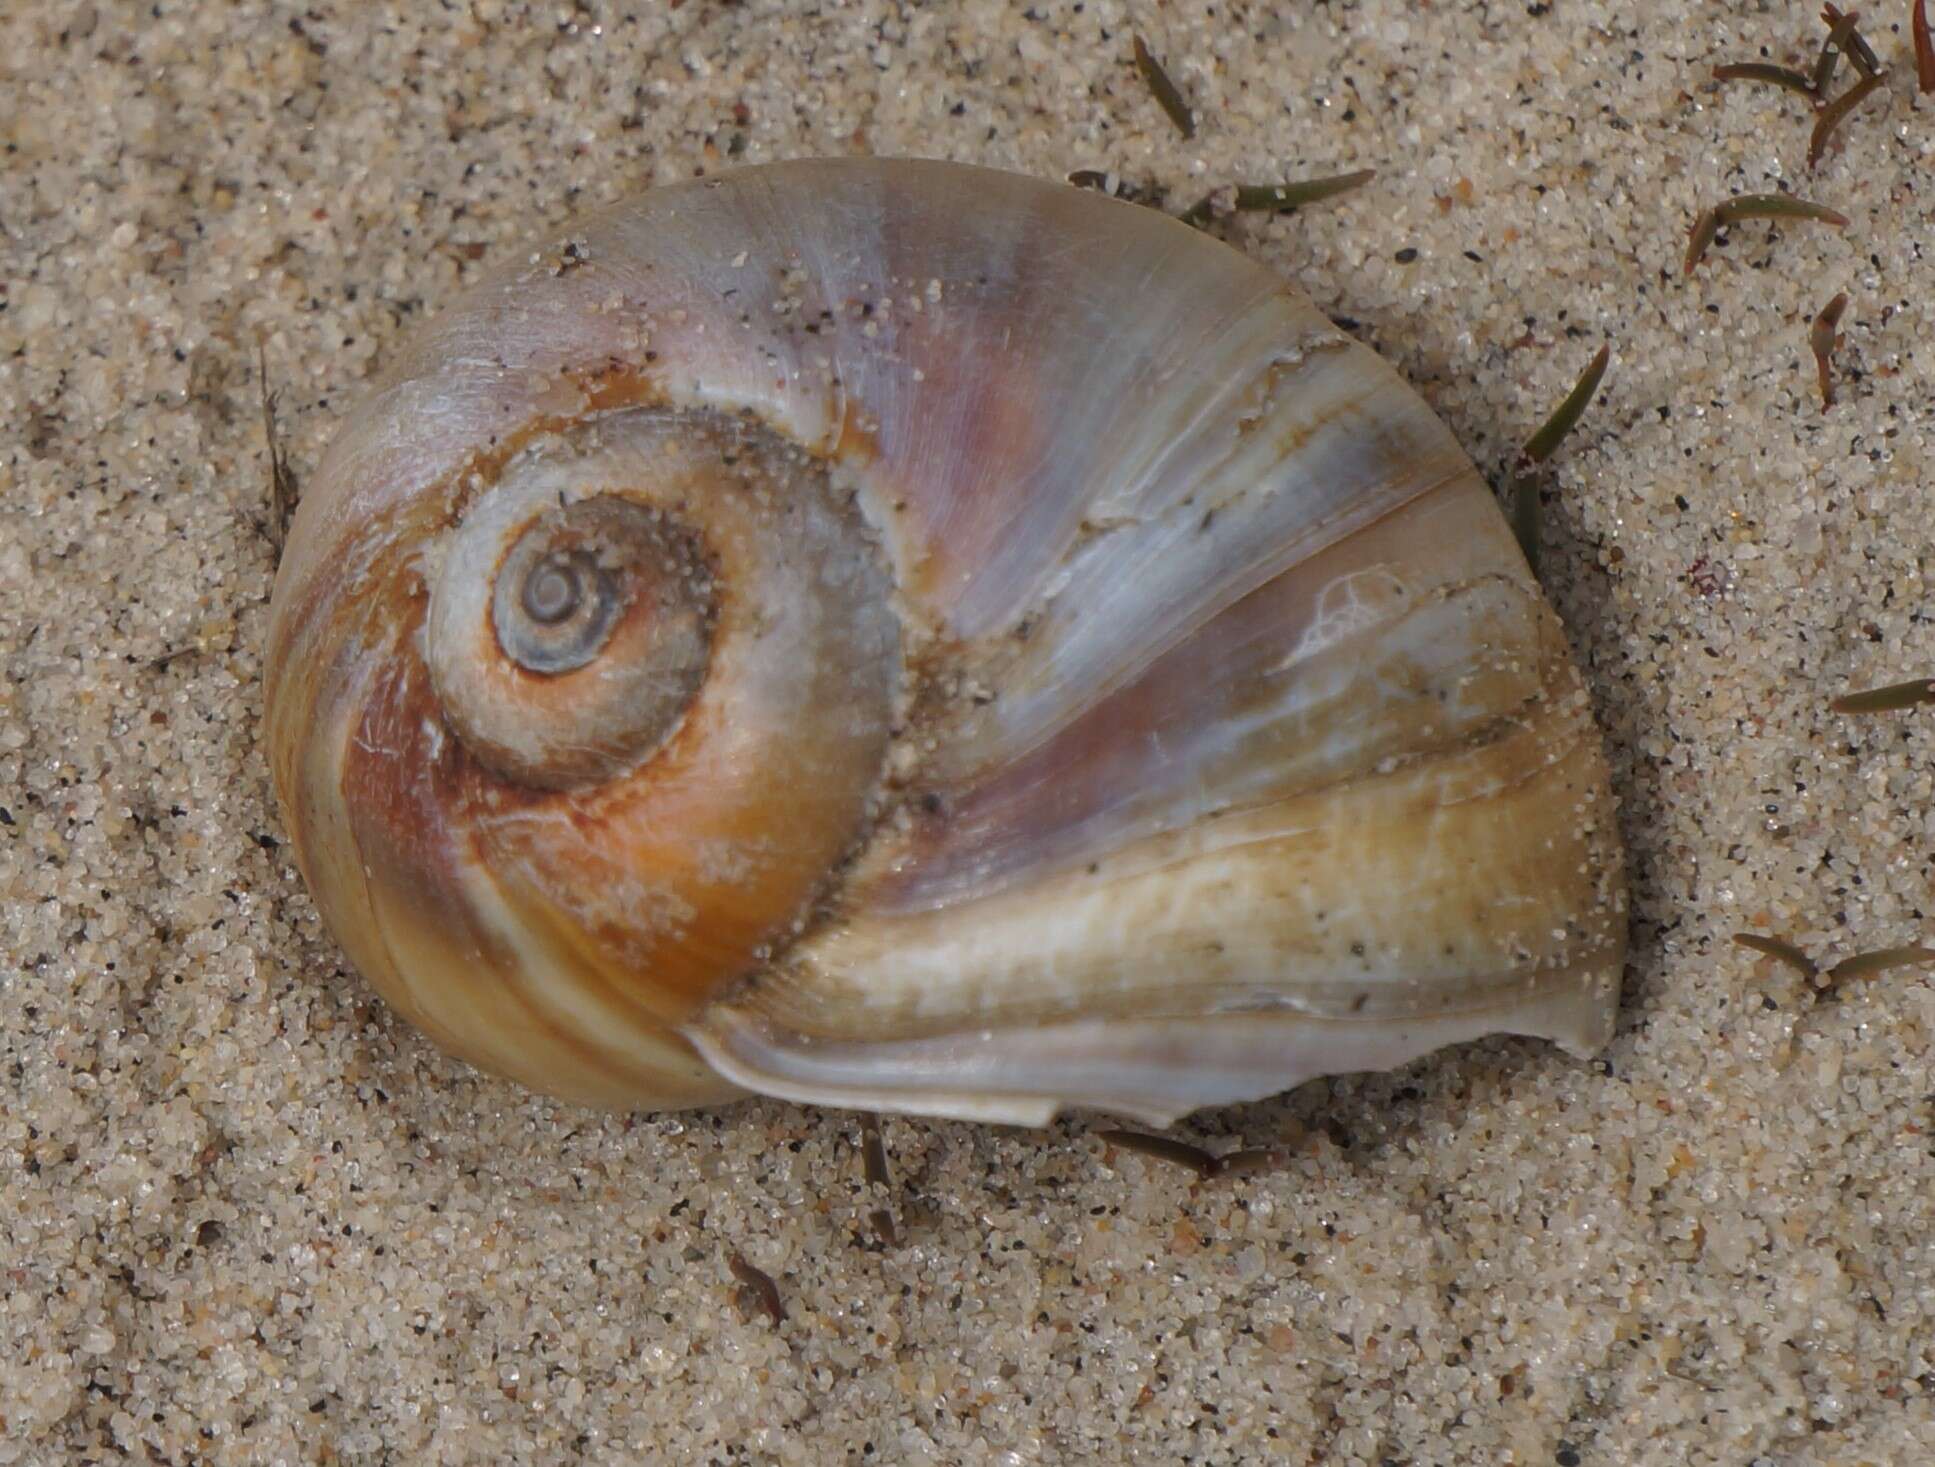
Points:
[964,657]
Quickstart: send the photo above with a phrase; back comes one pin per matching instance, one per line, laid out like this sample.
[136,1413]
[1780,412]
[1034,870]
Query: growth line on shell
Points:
[1754,206]
[1822,337]
[1541,446]
[1167,94]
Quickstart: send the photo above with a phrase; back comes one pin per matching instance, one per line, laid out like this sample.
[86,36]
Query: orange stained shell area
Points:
[531,928]
[579,926]
[666,887]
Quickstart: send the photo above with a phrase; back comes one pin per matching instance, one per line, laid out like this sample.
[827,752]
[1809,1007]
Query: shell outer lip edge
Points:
[1152,1071]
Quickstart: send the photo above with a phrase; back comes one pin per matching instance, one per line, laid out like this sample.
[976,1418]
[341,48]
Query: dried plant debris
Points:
[1541,446]
[1754,206]
[1163,1148]
[1844,38]
[1250,1160]
[1168,96]
[873,1162]
[1525,519]
[1205,1165]
[757,1289]
[1861,965]
[1761,71]
[173,655]
[1881,960]
[1274,198]
[1891,699]
[1115,186]
[1840,27]
[1831,116]
[1823,336]
[1781,949]
[1924,47]
[282,480]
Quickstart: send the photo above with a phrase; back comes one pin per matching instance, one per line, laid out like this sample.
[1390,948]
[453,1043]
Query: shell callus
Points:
[842,642]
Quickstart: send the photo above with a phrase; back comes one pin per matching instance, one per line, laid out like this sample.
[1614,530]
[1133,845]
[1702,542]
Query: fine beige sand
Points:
[246,1216]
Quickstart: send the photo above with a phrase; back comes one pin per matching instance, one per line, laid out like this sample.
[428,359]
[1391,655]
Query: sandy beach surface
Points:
[248,1216]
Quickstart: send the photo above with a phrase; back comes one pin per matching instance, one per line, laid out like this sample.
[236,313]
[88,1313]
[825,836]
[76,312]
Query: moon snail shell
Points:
[899,635]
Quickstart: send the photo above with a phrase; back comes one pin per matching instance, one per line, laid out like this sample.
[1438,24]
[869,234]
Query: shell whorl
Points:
[565,641]
[899,634]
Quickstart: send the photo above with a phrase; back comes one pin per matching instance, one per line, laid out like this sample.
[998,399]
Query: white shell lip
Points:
[1152,1071]
[1237,974]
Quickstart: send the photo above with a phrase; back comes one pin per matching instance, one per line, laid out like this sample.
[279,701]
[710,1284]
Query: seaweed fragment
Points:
[1541,446]
[1761,71]
[1843,36]
[1781,949]
[282,480]
[1274,198]
[1164,1148]
[1840,27]
[873,1163]
[173,655]
[1168,96]
[1861,965]
[1113,185]
[1866,965]
[1822,336]
[758,1287]
[1754,206]
[1891,699]
[1834,112]
[1704,230]
[1244,1163]
[1249,1161]
[1924,47]
[1278,198]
